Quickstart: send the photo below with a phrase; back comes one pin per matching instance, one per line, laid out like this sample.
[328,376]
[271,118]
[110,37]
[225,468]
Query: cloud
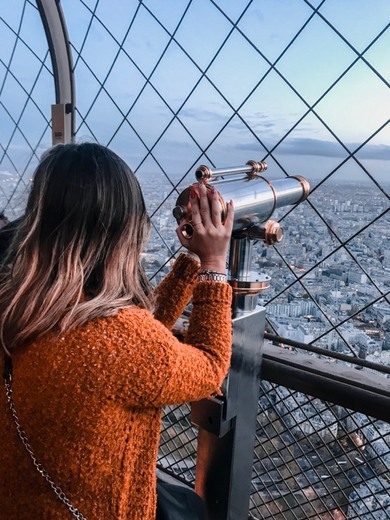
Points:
[322,148]
[202,115]
[318,147]
[374,151]
[256,121]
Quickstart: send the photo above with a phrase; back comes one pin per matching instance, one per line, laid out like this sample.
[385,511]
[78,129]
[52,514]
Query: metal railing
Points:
[322,440]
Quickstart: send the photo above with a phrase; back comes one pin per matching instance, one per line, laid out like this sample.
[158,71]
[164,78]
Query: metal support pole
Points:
[227,426]
[63,111]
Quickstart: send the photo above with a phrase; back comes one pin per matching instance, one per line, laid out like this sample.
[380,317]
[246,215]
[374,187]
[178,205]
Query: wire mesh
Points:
[220,83]
[315,459]
[194,90]
[25,78]
[177,454]
[312,459]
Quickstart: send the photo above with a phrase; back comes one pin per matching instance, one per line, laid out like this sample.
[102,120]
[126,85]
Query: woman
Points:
[92,366]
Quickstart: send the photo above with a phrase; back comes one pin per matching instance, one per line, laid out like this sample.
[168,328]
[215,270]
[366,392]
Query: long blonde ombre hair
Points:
[76,252]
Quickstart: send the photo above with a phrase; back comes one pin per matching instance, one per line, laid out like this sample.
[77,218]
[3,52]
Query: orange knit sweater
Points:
[90,402]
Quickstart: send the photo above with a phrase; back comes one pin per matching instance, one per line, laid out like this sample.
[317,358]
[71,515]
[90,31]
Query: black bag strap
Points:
[7,367]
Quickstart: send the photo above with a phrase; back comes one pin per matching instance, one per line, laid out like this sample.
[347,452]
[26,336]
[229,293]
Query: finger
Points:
[216,210]
[195,211]
[204,205]
[229,217]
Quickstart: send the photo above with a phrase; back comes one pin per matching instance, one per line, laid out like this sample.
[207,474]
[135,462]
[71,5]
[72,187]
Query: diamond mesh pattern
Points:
[157,112]
[219,83]
[178,443]
[26,79]
[318,460]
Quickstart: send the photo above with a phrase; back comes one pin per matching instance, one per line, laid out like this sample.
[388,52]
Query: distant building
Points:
[370,500]
[382,314]
[386,341]
[362,351]
[357,277]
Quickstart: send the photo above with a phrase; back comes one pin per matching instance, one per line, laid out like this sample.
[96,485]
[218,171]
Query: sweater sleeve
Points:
[155,369]
[175,290]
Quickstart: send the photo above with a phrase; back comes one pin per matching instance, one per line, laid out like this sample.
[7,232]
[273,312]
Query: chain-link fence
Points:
[26,90]
[312,459]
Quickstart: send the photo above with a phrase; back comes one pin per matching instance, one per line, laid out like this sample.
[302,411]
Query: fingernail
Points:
[230,202]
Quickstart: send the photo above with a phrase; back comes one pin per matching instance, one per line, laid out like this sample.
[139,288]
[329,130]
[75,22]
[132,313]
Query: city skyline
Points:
[160,96]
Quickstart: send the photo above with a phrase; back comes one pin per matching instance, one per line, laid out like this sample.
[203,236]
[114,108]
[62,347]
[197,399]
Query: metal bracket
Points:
[209,415]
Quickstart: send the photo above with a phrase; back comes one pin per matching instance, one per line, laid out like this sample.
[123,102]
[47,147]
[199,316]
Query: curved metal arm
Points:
[63,112]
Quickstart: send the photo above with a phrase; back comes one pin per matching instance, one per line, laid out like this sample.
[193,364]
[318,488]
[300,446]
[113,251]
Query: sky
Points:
[223,86]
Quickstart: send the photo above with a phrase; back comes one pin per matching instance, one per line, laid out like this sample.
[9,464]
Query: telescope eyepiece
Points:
[182,211]
[203,173]
[178,213]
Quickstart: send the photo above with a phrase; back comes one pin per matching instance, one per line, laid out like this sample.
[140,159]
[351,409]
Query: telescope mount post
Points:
[227,425]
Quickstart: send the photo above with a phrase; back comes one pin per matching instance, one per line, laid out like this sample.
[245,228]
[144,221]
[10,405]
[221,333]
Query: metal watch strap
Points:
[211,276]
[23,437]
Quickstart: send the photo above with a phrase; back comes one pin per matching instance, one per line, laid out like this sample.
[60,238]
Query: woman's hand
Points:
[211,237]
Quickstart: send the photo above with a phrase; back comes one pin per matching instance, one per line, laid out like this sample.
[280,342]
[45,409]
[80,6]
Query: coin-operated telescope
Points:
[227,425]
[255,199]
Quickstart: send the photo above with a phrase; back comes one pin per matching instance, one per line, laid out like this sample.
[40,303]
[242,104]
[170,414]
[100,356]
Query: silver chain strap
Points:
[23,437]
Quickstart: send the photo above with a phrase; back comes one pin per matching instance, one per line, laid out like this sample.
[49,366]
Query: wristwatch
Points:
[211,276]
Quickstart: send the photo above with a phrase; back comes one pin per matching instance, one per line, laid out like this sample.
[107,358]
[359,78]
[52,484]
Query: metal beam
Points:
[63,111]
[357,390]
